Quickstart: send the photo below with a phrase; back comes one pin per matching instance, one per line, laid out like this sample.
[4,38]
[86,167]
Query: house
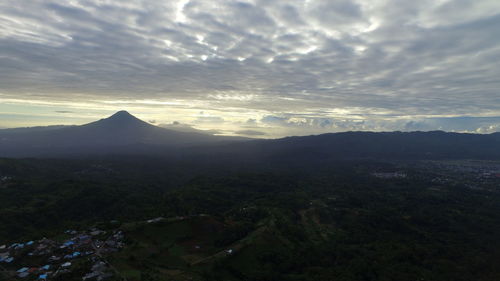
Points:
[23,274]
[4,256]
[158,219]
[46,241]
[54,258]
[97,232]
[24,269]
[99,266]
[118,235]
[111,243]
[61,271]
[16,246]
[66,264]
[68,244]
[83,237]
[90,275]
[99,271]
[42,277]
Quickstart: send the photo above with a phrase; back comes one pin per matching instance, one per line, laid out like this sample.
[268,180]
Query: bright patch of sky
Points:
[266,68]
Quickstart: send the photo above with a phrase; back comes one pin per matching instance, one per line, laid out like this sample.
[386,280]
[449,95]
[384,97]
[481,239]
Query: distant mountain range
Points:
[123,133]
[378,145]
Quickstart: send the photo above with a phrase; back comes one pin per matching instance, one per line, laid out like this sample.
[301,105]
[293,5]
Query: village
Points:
[46,259]
[4,181]
[477,168]
[76,255]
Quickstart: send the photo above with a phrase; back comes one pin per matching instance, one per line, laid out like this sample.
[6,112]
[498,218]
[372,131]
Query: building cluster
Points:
[4,180]
[45,259]
[491,175]
[99,271]
[482,170]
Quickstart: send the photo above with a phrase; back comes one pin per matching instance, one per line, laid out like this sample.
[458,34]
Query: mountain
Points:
[119,133]
[32,129]
[123,133]
[399,145]
[418,145]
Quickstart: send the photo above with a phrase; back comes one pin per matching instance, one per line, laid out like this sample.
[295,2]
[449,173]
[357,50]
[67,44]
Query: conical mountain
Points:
[119,132]
[121,128]
[121,119]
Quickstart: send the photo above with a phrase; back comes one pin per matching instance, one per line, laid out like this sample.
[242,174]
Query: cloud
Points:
[274,119]
[177,126]
[209,119]
[316,125]
[319,64]
[250,133]
[457,124]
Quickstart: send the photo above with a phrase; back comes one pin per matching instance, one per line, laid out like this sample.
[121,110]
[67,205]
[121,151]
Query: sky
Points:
[258,68]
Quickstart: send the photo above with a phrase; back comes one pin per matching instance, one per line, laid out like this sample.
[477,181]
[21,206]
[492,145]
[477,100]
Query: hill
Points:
[386,145]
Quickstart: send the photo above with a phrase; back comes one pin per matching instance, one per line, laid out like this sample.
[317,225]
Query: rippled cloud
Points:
[294,67]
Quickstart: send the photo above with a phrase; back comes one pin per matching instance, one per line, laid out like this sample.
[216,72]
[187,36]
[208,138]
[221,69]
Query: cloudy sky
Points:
[260,68]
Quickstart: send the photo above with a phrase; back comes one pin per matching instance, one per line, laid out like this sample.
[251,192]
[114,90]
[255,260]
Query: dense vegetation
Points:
[309,221]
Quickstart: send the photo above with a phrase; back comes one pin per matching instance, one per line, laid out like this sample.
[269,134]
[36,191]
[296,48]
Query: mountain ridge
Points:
[123,133]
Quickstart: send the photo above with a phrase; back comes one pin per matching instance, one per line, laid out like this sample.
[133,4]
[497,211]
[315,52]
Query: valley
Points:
[306,224]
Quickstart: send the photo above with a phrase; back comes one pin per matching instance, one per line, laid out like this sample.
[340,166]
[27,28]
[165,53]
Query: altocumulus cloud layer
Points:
[259,68]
